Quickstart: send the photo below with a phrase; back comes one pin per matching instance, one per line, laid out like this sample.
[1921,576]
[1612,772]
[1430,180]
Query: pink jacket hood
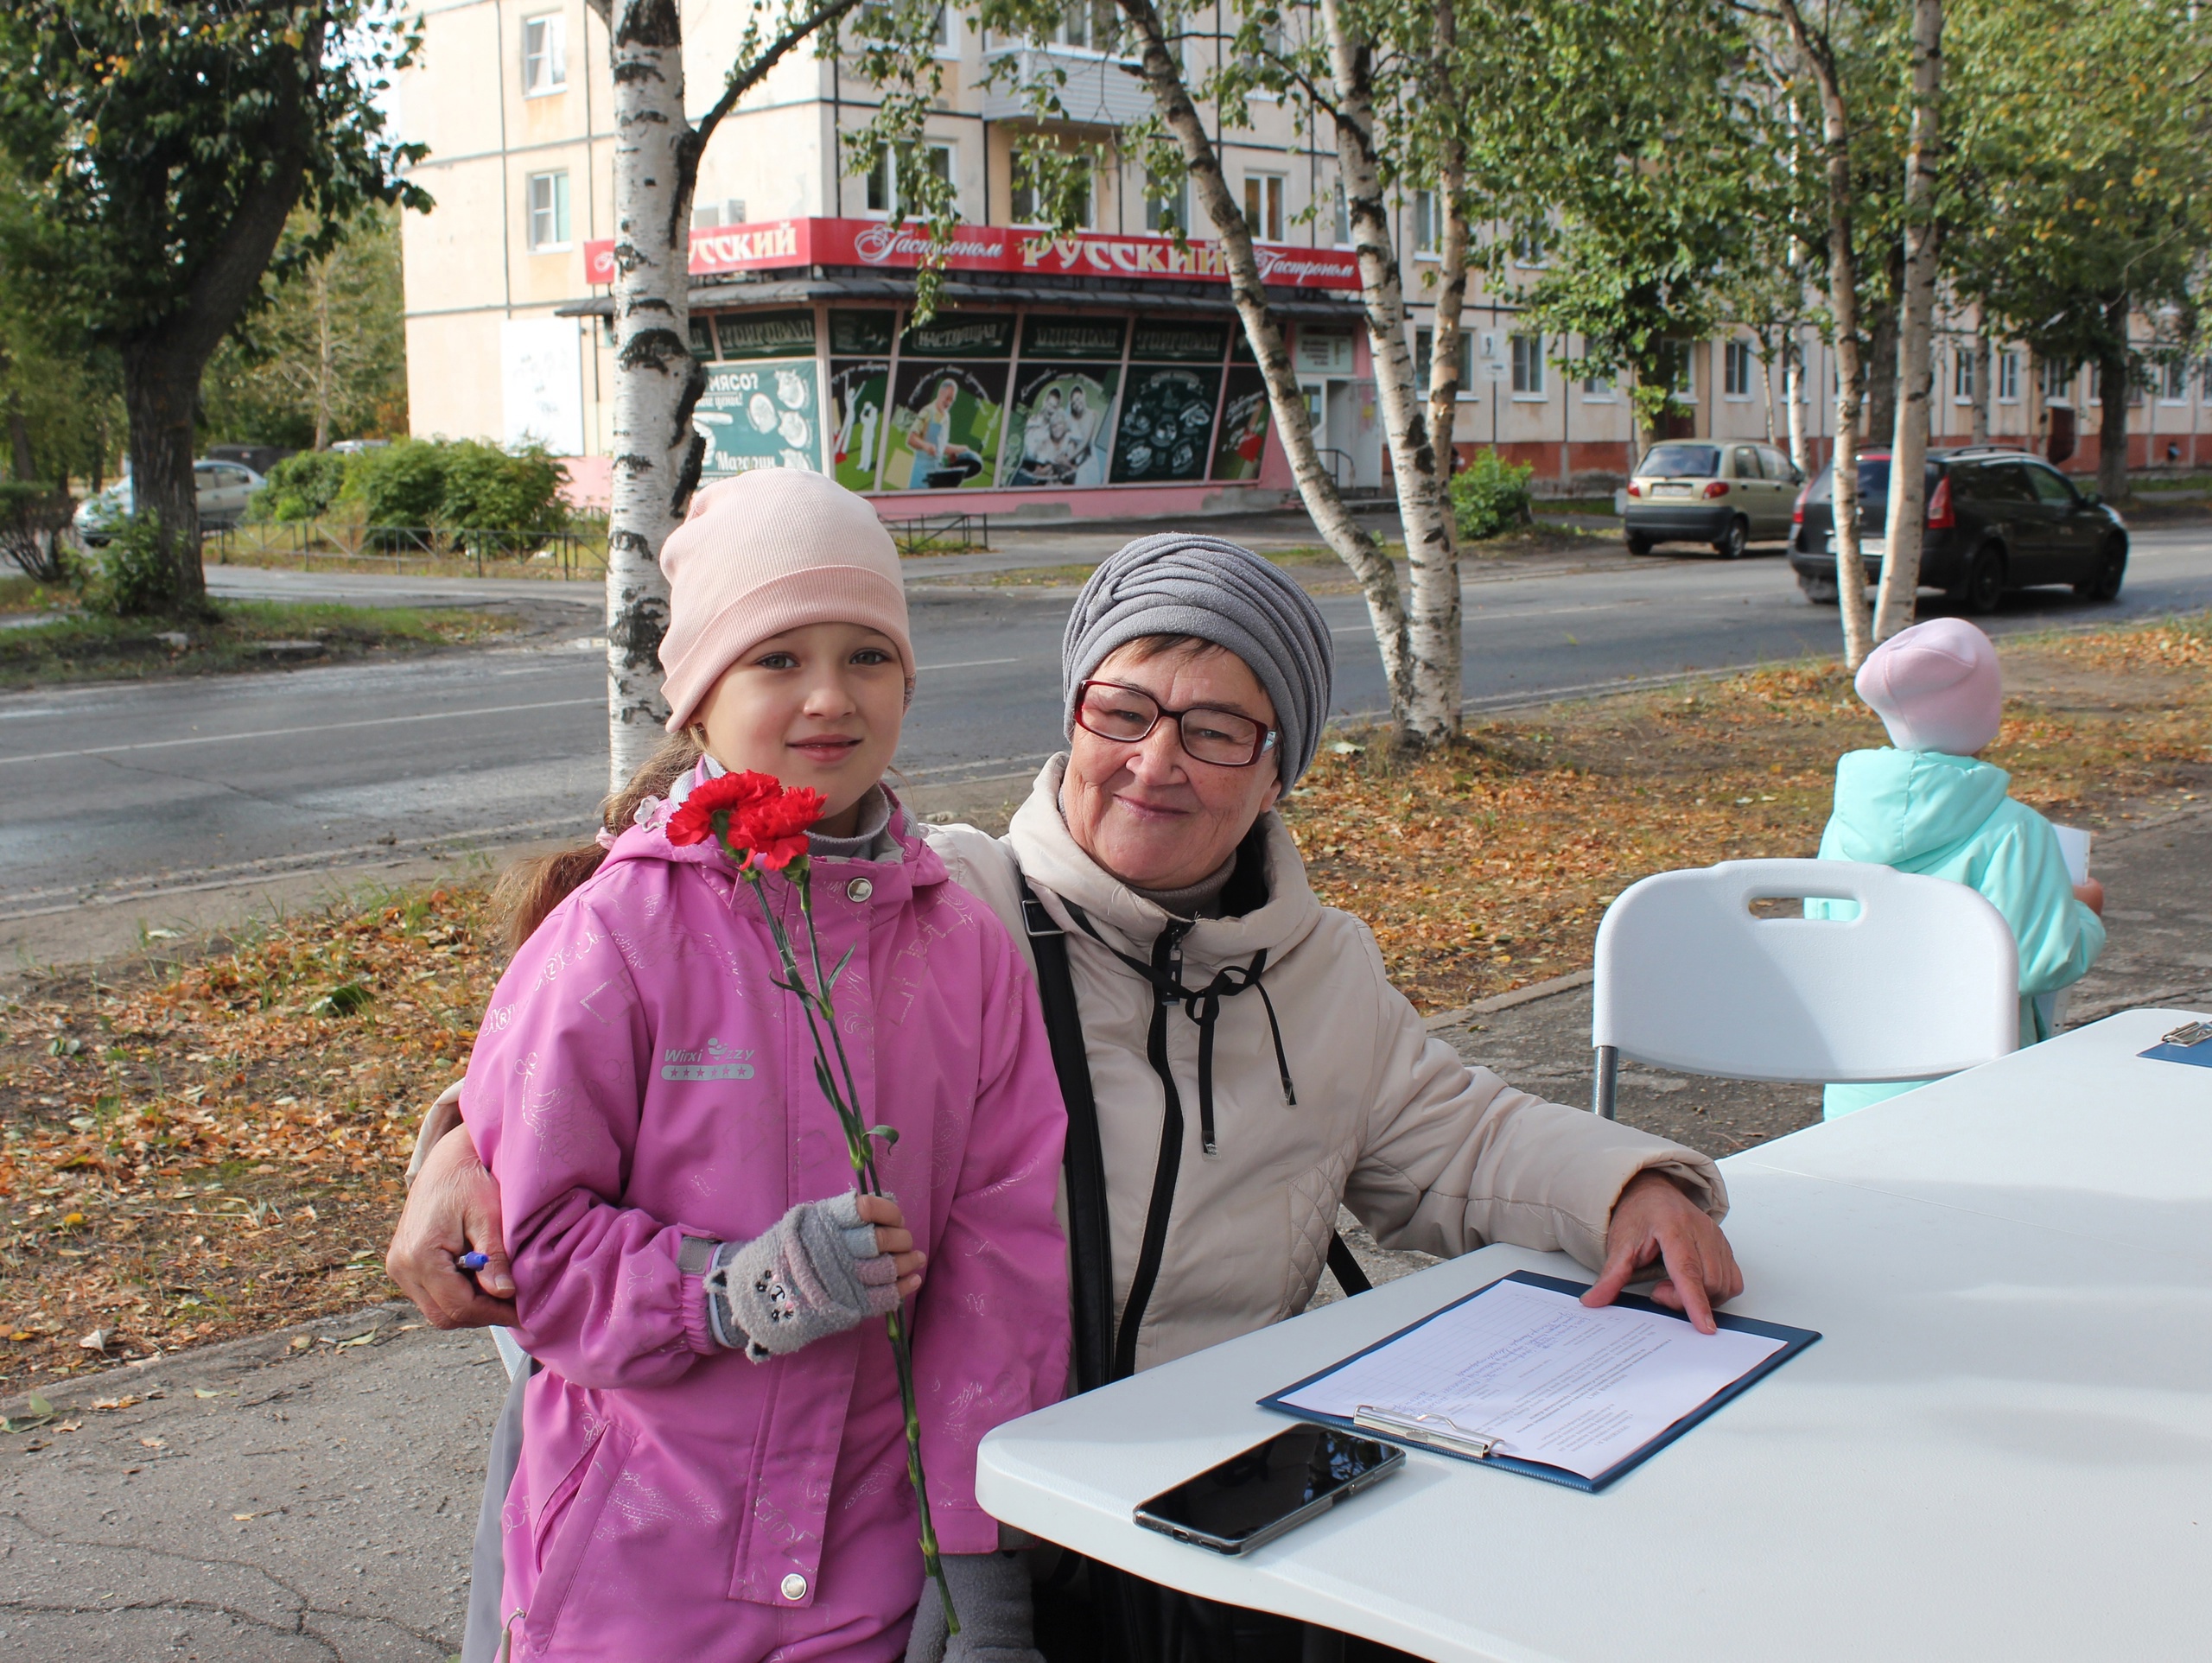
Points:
[639,1080]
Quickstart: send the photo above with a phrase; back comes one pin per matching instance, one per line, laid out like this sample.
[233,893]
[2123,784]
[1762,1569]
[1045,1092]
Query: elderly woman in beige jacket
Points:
[1251,1065]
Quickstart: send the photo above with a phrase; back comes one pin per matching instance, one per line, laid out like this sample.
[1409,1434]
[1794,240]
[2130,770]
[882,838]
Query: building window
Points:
[1528,250]
[1428,224]
[1088,26]
[2058,380]
[1736,370]
[1597,390]
[2173,382]
[1528,366]
[1166,204]
[1679,360]
[549,212]
[886,192]
[1424,359]
[1029,211]
[544,54]
[1340,231]
[2008,378]
[713,216]
[1962,375]
[1263,206]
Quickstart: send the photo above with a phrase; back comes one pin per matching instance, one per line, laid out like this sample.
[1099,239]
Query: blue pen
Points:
[473,1261]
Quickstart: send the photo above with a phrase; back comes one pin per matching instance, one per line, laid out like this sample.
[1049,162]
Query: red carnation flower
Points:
[760,823]
[721,797]
[774,829]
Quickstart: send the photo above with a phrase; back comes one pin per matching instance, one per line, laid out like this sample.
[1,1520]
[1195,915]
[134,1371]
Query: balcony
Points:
[1097,91]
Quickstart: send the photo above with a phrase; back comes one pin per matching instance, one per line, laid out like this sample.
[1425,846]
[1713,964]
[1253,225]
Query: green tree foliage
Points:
[326,358]
[458,485]
[132,576]
[2083,182]
[162,150]
[1638,147]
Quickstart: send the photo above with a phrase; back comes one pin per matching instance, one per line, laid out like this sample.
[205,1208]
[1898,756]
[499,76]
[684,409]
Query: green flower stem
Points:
[816,1002]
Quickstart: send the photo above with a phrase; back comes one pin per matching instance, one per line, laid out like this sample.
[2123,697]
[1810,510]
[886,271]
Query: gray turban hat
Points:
[1179,583]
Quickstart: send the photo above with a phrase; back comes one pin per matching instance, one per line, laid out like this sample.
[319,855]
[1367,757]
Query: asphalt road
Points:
[135,798]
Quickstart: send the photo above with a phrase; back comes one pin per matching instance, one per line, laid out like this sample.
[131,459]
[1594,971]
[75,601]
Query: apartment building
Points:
[1098,374]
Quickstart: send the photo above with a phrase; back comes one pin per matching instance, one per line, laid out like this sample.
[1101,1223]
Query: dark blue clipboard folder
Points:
[2197,1055]
[1795,1340]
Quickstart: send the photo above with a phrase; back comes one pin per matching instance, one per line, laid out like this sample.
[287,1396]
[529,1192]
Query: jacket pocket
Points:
[564,1530]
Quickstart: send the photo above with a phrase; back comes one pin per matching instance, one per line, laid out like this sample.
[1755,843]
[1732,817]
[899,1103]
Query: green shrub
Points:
[133,576]
[515,493]
[1488,495]
[33,518]
[402,484]
[302,488]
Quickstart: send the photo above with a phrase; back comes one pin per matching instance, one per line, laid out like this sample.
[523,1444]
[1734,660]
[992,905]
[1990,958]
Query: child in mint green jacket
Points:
[1930,805]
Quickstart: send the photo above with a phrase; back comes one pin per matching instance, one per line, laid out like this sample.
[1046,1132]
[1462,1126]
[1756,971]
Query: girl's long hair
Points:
[530,889]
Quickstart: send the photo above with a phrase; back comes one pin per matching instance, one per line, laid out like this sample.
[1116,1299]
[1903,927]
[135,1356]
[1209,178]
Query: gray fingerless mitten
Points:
[818,1272]
[991,1593]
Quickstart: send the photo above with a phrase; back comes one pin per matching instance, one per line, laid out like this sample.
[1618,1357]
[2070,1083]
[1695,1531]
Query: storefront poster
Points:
[766,334]
[861,331]
[1175,341]
[1052,336]
[1061,424]
[761,414]
[859,390]
[1244,415]
[946,422]
[1167,415]
[961,334]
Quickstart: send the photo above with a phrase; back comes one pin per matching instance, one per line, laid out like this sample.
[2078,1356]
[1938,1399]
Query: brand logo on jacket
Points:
[713,1061]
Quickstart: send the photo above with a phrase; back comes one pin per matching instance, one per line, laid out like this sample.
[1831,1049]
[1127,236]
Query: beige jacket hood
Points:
[1427,1152]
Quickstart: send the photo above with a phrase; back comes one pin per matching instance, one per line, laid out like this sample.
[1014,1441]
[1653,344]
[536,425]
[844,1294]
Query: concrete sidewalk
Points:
[291,1498]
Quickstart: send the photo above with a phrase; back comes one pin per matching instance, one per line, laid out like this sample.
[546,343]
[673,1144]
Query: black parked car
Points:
[1997,519]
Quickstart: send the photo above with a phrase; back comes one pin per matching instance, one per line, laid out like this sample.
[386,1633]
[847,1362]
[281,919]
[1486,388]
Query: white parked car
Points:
[223,489]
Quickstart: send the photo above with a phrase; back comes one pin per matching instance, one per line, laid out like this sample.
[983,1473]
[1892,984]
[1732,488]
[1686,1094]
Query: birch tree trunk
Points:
[1843,306]
[1433,636]
[1908,507]
[657,455]
[1378,578]
[1444,387]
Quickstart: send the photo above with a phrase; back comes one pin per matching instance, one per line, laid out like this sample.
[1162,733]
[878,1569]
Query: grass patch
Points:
[236,636]
[20,595]
[192,1151]
[1488,867]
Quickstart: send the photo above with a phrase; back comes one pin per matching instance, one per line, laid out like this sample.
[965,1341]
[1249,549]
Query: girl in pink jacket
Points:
[713,1453]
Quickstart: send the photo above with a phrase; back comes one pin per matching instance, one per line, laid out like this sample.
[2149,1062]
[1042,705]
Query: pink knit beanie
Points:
[767,552]
[1936,686]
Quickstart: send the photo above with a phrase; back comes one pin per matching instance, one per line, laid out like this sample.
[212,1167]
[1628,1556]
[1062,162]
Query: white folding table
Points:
[2002,1448]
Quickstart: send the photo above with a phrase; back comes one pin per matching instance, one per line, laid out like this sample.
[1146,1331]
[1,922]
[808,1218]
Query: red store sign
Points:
[777,244]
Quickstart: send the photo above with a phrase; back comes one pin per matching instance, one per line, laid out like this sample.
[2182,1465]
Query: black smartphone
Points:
[1253,1497]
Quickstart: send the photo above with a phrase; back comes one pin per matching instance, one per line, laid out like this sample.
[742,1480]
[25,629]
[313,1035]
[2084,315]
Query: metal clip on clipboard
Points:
[1432,1431]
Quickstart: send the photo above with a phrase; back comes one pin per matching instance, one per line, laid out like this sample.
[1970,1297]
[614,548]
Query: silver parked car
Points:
[222,488]
[1727,492]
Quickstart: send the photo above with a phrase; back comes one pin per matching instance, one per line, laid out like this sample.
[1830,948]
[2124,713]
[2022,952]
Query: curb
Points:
[377,1323]
[1529,996]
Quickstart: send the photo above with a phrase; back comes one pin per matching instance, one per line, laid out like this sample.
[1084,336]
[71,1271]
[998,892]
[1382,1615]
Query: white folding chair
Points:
[1923,982]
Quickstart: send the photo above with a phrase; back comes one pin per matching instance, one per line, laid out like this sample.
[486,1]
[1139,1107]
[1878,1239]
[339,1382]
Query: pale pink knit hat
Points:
[767,552]
[1936,686]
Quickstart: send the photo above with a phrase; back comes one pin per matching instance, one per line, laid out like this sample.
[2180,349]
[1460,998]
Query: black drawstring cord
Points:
[1201,1005]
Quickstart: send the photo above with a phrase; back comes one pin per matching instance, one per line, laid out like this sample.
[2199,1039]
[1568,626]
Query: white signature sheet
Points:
[1554,1382]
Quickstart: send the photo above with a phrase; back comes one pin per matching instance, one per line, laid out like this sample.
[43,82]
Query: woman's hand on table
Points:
[452,1209]
[1654,1220]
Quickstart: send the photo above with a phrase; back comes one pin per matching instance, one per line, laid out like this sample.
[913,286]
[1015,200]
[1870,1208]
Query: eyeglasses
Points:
[1128,715]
